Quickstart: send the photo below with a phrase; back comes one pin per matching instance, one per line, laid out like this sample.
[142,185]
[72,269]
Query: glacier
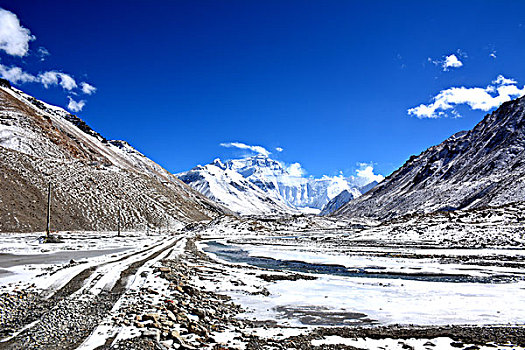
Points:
[261,185]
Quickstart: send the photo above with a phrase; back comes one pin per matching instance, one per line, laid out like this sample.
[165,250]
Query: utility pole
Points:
[147,223]
[48,210]
[118,221]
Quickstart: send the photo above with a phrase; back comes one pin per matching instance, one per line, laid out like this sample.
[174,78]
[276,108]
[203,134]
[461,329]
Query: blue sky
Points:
[329,82]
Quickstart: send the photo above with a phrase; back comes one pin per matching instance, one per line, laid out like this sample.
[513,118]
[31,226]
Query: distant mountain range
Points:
[481,167]
[260,185]
[92,178]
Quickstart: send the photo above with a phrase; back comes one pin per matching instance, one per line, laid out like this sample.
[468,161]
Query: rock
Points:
[167,324]
[167,343]
[199,312]
[197,329]
[151,333]
[164,269]
[179,340]
[171,315]
[189,290]
[152,316]
[5,83]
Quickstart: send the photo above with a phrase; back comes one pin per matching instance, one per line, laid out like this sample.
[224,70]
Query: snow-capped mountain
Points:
[91,177]
[484,166]
[228,187]
[344,197]
[259,184]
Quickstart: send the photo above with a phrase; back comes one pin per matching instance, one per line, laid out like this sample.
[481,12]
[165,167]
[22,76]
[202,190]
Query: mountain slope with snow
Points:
[259,184]
[484,166]
[91,176]
[226,186]
[345,197]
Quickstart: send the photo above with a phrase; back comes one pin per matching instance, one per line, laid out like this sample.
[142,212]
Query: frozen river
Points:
[381,285]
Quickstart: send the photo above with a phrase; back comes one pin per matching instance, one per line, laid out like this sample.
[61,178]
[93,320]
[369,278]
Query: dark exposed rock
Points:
[5,83]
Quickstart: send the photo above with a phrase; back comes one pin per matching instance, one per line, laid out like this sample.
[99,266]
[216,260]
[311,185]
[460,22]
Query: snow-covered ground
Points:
[24,260]
[315,283]
[400,344]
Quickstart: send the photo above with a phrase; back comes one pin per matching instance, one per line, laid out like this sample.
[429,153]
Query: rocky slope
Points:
[259,184]
[91,176]
[484,166]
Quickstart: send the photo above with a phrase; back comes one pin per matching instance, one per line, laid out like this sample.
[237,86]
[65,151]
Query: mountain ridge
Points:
[484,166]
[276,189]
[92,177]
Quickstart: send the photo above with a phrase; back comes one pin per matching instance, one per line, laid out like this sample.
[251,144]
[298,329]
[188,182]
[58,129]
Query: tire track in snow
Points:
[73,316]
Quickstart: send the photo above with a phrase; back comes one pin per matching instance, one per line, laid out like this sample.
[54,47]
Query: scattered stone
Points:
[151,333]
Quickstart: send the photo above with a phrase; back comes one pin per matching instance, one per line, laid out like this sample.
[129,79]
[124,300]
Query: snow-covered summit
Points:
[266,179]
[228,187]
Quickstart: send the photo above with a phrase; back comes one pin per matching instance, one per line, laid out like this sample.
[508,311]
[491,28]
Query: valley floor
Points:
[249,284]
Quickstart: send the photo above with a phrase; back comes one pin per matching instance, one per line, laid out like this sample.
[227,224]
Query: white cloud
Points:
[365,174]
[75,106]
[493,54]
[501,80]
[16,75]
[499,91]
[87,88]
[295,169]
[14,39]
[54,78]
[48,78]
[256,149]
[451,61]
[67,82]
[279,149]
[43,53]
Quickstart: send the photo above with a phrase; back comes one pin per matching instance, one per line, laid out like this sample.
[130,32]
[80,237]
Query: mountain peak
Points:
[218,163]
[264,185]
[480,167]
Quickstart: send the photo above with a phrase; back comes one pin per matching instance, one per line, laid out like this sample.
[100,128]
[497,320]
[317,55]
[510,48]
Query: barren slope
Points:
[484,166]
[91,176]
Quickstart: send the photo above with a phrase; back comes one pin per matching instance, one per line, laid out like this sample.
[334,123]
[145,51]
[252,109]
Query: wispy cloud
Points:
[75,106]
[493,54]
[16,75]
[240,145]
[279,149]
[88,89]
[478,98]
[50,78]
[42,52]
[14,39]
[55,78]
